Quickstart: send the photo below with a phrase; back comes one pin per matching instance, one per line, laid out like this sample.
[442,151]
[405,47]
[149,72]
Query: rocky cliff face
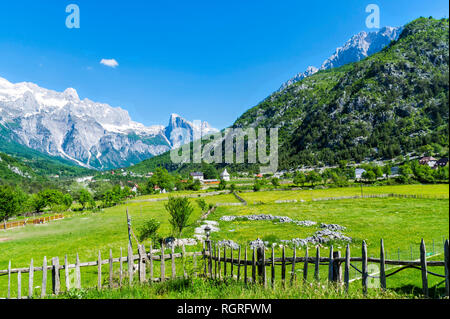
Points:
[90,134]
[359,47]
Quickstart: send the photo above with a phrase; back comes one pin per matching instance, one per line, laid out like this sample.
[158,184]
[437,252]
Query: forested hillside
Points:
[392,103]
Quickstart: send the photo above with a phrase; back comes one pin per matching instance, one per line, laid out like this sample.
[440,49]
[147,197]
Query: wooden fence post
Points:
[151,262]
[382,266]
[232,266]
[347,268]
[56,284]
[9,279]
[224,261]
[129,229]
[423,263]
[218,261]
[261,265]
[283,266]
[141,251]
[239,264]
[130,262]
[272,278]
[30,280]
[172,257]
[337,271]
[183,259]
[317,264]
[99,271]
[19,285]
[446,265]
[365,276]
[254,266]
[294,257]
[66,272]
[264,267]
[209,257]
[110,269]
[44,278]
[77,273]
[305,266]
[330,264]
[163,262]
[215,260]
[121,267]
[245,266]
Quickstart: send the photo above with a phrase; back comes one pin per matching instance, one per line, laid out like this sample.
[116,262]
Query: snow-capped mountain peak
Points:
[89,133]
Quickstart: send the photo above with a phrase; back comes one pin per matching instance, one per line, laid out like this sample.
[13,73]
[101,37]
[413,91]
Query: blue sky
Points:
[209,60]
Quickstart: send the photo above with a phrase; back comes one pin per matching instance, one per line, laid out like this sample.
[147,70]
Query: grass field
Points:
[440,190]
[401,222]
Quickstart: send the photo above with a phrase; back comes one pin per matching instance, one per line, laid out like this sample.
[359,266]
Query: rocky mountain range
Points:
[359,47]
[90,134]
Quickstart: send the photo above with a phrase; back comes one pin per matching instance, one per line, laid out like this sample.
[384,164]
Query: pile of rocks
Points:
[199,232]
[281,219]
[319,237]
[334,227]
[258,243]
[228,243]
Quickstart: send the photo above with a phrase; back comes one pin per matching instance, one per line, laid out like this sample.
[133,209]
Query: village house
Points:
[225,175]
[428,160]
[359,172]
[197,176]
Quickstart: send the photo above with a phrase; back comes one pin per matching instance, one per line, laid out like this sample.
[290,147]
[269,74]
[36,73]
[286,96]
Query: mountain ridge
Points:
[358,47]
[90,134]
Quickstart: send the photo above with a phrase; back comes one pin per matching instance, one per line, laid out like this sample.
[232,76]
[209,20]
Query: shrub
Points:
[179,209]
[149,230]
[202,204]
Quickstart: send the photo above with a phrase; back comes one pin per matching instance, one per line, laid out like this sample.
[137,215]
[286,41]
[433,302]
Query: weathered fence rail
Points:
[28,221]
[221,262]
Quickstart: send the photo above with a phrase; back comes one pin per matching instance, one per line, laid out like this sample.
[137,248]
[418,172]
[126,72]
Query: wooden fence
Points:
[259,265]
[216,262]
[21,223]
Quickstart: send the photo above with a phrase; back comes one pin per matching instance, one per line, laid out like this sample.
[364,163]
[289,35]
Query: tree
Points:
[162,179]
[209,171]
[222,184]
[378,171]
[257,185]
[300,179]
[85,198]
[313,177]
[202,204]
[9,202]
[67,201]
[38,203]
[369,175]
[179,209]
[149,230]
[196,185]
[275,182]
[387,170]
[232,187]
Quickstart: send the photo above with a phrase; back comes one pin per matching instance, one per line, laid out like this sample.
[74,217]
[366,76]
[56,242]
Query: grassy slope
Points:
[400,222]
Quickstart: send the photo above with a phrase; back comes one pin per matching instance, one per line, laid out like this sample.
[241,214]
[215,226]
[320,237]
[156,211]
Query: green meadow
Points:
[401,222]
